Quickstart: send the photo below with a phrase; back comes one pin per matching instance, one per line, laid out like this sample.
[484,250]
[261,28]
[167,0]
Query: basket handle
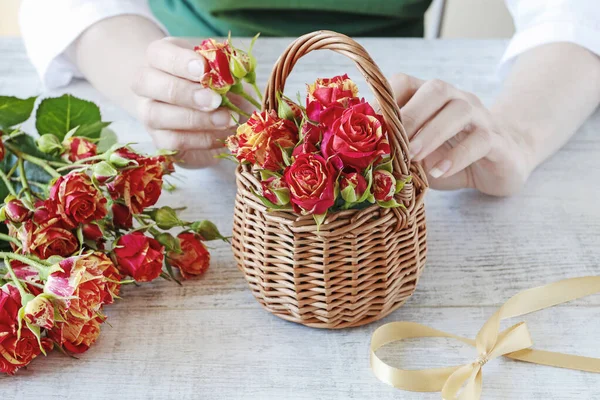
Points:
[328,40]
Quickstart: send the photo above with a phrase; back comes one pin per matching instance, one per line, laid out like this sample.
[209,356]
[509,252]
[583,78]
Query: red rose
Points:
[194,258]
[10,303]
[139,256]
[79,148]
[76,335]
[338,89]
[15,352]
[261,138]
[328,98]
[311,137]
[77,200]
[384,185]
[311,180]
[352,186]
[357,137]
[217,74]
[18,352]
[276,191]
[44,211]
[16,211]
[47,239]
[140,186]
[122,217]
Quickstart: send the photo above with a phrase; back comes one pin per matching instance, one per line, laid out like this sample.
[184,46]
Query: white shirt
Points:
[49,27]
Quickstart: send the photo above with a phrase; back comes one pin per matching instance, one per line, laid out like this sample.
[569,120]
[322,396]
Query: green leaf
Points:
[269,205]
[389,204]
[15,111]
[386,166]
[59,115]
[266,174]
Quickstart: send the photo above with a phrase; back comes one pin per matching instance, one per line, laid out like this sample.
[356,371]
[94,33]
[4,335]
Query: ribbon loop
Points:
[514,343]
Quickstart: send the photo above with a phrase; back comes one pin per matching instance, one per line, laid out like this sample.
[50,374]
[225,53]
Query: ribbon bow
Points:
[464,382]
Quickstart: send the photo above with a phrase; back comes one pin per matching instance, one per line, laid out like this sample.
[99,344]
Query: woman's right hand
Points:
[178,112]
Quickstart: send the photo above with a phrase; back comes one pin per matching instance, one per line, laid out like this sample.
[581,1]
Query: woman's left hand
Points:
[461,143]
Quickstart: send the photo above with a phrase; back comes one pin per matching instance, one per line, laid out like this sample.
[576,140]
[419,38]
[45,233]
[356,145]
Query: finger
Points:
[404,87]
[163,116]
[198,158]
[158,85]
[184,140]
[473,148]
[455,117]
[425,104]
[172,57]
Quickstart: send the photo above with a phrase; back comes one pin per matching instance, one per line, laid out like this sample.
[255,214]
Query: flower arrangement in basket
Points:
[329,224]
[79,223]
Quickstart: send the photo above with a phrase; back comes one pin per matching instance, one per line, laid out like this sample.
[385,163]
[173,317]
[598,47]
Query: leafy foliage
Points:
[59,115]
[15,111]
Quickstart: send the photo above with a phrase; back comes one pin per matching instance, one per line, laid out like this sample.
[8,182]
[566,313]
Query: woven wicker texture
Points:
[360,265]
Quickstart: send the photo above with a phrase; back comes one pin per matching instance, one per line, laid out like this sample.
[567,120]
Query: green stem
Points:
[23,259]
[251,99]
[12,170]
[257,91]
[24,181]
[227,103]
[11,239]
[7,183]
[32,183]
[16,280]
[34,160]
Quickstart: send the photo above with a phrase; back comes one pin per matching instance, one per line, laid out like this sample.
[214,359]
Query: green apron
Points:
[202,18]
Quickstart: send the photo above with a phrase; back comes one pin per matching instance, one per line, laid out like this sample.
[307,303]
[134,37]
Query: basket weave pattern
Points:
[360,265]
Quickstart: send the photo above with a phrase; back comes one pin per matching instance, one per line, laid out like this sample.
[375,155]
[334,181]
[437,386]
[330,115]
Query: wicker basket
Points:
[360,265]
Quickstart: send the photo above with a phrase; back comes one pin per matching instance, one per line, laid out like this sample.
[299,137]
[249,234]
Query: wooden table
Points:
[209,339]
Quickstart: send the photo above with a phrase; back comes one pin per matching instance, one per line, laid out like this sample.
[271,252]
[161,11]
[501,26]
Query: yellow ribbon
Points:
[464,382]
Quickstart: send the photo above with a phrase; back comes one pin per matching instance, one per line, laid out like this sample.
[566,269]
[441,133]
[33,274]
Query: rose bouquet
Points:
[80,222]
[332,154]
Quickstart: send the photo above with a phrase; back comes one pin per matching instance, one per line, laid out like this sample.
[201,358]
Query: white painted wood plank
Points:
[209,339]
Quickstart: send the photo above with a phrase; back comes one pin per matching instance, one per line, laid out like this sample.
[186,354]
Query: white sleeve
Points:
[49,27]
[539,22]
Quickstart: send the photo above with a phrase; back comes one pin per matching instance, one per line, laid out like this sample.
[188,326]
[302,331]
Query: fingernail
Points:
[224,118]
[196,68]
[414,148]
[207,100]
[440,169]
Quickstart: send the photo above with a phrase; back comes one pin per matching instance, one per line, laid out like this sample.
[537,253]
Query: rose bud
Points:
[103,171]
[261,138]
[40,311]
[169,241]
[92,232]
[311,180]
[217,75]
[139,256]
[165,218]
[357,137]
[76,335]
[276,191]
[2,150]
[384,185]
[77,199]
[194,258]
[79,148]
[122,217]
[207,230]
[352,187]
[49,144]
[15,211]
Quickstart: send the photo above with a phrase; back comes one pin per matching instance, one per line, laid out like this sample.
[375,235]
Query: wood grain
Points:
[210,339]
